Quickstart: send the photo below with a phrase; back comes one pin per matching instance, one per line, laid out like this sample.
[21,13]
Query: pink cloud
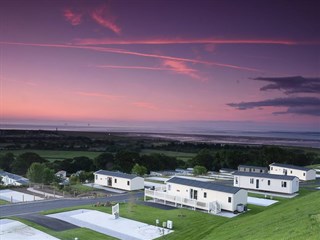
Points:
[72,17]
[127,52]
[100,95]
[103,17]
[146,105]
[166,41]
[181,68]
[133,67]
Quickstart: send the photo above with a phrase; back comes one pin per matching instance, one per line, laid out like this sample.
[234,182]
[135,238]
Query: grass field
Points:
[52,155]
[179,155]
[297,218]
[3,202]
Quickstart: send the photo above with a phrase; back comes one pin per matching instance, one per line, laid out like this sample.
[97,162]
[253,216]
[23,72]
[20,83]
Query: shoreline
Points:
[185,137]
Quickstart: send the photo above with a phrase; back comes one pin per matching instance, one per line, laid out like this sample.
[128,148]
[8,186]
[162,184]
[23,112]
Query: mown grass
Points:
[3,202]
[179,155]
[52,155]
[297,218]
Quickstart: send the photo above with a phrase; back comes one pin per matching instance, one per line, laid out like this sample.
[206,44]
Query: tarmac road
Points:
[17,209]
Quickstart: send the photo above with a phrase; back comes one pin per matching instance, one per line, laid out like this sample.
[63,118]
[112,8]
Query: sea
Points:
[191,132]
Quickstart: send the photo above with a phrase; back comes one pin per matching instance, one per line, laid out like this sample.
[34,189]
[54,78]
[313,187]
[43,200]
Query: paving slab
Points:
[121,228]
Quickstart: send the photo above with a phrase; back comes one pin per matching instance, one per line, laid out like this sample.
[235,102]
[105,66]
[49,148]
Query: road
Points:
[17,209]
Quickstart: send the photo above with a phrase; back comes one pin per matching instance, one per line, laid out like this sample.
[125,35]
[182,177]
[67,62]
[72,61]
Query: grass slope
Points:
[297,218]
[291,219]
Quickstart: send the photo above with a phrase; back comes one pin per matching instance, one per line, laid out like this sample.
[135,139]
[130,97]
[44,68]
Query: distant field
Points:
[52,155]
[297,218]
[179,155]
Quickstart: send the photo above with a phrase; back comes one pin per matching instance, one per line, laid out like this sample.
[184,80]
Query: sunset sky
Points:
[160,60]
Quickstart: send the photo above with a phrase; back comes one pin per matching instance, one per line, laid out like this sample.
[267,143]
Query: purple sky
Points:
[161,60]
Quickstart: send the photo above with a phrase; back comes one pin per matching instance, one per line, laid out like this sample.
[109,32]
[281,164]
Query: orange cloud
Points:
[181,68]
[127,52]
[72,17]
[103,17]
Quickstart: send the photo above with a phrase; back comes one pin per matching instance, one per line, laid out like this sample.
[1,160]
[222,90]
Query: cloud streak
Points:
[133,67]
[127,52]
[169,41]
[72,17]
[292,84]
[181,68]
[103,17]
[295,105]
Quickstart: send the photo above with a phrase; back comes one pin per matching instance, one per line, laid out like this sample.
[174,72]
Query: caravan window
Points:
[251,180]
[229,199]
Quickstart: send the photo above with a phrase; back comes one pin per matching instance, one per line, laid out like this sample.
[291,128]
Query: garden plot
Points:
[14,230]
[14,196]
[121,228]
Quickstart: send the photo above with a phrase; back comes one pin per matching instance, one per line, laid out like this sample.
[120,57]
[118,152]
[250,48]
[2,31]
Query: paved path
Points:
[35,207]
[104,188]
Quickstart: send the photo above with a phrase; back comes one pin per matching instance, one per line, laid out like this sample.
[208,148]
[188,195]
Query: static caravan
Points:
[200,195]
[302,173]
[256,169]
[266,182]
[13,179]
[118,180]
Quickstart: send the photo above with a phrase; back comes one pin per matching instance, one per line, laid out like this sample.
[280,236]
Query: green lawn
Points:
[179,155]
[52,155]
[297,218]
[3,202]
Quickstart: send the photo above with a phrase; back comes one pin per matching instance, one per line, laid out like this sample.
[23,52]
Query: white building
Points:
[118,180]
[266,182]
[302,173]
[248,168]
[13,179]
[196,194]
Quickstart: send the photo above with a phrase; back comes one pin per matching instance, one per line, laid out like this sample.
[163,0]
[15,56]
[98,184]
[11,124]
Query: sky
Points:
[161,61]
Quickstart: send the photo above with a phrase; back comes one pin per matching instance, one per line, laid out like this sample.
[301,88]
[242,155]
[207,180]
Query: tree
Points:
[203,158]
[199,170]
[21,164]
[6,161]
[39,173]
[125,160]
[139,170]
[104,161]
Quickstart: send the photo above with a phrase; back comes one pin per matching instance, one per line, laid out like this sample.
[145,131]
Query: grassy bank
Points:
[297,218]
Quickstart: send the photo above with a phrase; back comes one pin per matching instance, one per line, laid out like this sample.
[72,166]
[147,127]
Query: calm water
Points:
[171,129]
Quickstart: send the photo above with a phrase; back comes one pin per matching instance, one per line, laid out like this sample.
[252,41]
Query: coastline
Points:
[232,138]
